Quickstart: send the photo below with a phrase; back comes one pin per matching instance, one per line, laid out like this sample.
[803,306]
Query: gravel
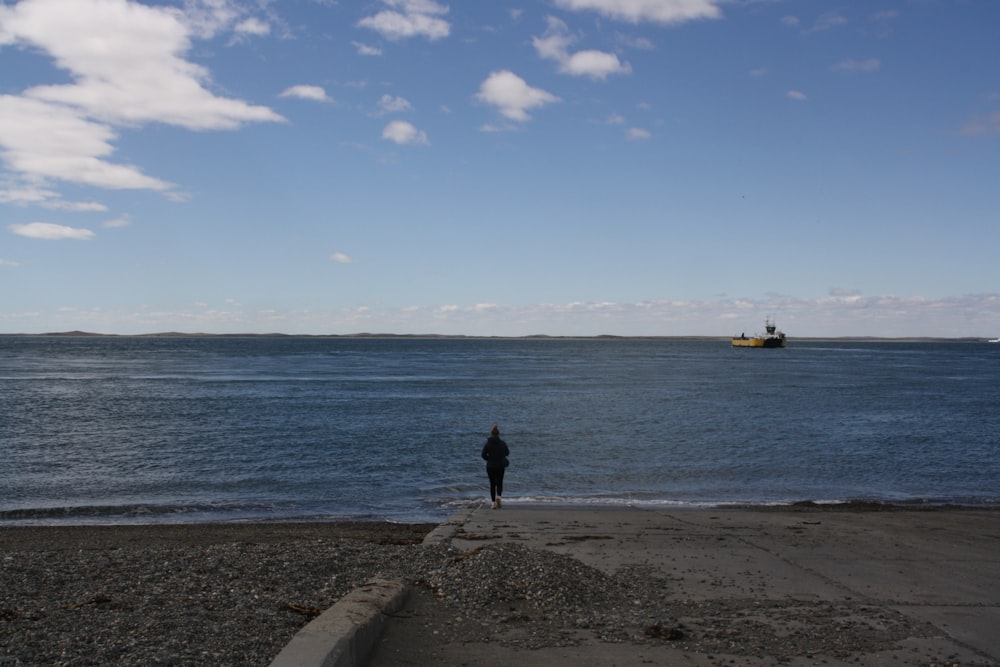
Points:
[181,595]
[235,595]
[522,597]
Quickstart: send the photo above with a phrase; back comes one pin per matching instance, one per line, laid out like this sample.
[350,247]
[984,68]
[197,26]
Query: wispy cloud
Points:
[252,26]
[366,49]
[886,15]
[827,21]
[391,104]
[797,95]
[307,92]
[982,125]
[33,194]
[341,258]
[851,65]
[51,232]
[653,11]
[843,312]
[120,221]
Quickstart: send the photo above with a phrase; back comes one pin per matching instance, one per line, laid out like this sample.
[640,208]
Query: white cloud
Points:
[512,95]
[78,206]
[126,64]
[797,95]
[615,119]
[554,45]
[304,92]
[42,140]
[850,65]
[595,64]
[415,18]
[23,194]
[390,104]
[32,194]
[555,42]
[493,127]
[120,221]
[51,232]
[206,18]
[252,26]
[841,313]
[341,258]
[366,50]
[638,134]
[656,11]
[402,132]
[640,43]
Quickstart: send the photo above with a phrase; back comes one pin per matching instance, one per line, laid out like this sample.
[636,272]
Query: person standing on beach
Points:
[495,452]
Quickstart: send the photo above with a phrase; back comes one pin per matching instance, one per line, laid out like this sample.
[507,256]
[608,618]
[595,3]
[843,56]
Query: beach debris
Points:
[305,610]
[464,555]
[100,598]
[668,632]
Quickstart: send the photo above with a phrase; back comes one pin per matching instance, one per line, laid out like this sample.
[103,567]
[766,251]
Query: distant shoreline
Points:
[366,335]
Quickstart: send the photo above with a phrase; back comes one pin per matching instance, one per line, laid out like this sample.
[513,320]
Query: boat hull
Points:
[759,342]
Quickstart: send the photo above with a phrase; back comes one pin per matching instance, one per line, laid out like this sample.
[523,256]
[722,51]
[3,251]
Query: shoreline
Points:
[46,518]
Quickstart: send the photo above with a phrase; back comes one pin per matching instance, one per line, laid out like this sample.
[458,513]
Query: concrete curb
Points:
[445,531]
[344,634]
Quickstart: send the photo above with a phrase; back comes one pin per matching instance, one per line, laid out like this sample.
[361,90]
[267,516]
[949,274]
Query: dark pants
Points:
[496,482]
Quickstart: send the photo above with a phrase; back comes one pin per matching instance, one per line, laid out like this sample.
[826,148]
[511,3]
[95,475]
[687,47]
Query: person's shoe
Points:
[499,502]
[494,504]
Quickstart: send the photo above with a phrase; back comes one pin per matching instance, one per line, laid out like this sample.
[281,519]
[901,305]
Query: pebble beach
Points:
[202,594]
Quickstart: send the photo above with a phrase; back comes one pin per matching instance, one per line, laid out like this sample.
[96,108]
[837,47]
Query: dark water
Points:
[195,429]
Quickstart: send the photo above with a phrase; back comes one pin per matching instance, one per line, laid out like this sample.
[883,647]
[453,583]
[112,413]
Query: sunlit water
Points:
[196,429]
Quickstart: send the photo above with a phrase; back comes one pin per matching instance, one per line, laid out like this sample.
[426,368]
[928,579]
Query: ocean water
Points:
[147,430]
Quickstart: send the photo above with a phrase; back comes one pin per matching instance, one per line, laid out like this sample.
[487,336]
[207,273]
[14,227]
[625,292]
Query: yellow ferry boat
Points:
[773,338]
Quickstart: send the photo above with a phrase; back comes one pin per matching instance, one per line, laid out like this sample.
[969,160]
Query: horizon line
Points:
[180,334]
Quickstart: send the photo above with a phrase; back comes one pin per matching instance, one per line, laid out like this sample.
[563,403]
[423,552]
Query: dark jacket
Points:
[495,452]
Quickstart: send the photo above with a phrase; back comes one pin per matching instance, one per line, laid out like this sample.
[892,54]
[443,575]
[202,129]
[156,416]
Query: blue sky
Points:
[562,167]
